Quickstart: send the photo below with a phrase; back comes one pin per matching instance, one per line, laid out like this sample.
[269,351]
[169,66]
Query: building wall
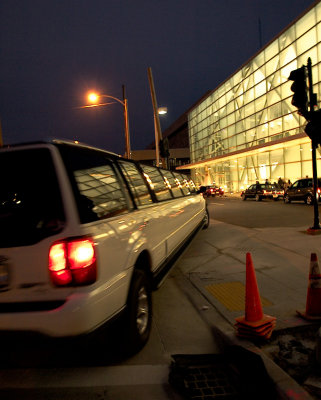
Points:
[247,129]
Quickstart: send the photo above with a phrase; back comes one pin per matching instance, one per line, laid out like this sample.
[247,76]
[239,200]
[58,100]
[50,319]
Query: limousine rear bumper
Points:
[80,313]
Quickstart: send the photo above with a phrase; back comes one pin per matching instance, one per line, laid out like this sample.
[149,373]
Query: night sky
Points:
[54,51]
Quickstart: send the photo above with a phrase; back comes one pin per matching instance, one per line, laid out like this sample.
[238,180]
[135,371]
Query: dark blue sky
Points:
[53,52]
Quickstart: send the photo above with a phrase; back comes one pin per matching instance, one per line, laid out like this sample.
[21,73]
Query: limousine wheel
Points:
[139,307]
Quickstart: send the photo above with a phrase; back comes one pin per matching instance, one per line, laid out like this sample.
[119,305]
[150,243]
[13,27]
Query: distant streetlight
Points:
[162,110]
[94,98]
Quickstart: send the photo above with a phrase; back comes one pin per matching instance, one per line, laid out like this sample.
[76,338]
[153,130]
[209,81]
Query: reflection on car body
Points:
[85,236]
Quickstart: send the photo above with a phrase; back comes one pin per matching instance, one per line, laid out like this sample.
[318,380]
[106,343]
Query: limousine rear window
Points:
[157,182]
[31,207]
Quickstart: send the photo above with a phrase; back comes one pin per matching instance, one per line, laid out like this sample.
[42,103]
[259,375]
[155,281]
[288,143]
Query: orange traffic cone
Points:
[254,323]
[313,303]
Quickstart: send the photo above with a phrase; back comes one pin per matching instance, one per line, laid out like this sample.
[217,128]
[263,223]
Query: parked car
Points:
[85,236]
[219,191]
[302,190]
[259,191]
[212,191]
[278,192]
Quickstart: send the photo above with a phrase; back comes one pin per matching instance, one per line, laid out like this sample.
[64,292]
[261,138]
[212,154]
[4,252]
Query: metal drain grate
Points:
[204,377]
[235,375]
[210,383]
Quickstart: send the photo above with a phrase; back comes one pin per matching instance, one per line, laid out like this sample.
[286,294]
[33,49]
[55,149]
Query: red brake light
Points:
[73,261]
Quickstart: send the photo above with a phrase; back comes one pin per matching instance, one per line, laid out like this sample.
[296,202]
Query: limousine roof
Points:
[58,142]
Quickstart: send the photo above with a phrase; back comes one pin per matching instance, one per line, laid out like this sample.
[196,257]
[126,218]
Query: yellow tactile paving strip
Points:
[232,295]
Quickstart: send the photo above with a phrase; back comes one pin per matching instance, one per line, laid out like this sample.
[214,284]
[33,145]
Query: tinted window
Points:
[30,200]
[183,182]
[172,183]
[136,183]
[157,183]
[99,191]
[190,184]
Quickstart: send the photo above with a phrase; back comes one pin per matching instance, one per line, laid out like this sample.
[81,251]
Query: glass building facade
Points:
[246,130]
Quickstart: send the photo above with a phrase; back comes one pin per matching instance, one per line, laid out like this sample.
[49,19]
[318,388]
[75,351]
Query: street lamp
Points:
[162,110]
[94,98]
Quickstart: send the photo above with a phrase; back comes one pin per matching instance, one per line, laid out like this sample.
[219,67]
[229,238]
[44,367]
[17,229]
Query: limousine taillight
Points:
[73,262]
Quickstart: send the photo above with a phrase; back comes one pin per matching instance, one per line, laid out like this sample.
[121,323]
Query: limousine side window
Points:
[99,190]
[157,182]
[172,183]
[100,186]
[182,182]
[136,183]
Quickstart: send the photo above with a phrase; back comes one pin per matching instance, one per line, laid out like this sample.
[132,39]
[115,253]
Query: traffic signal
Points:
[313,127]
[299,87]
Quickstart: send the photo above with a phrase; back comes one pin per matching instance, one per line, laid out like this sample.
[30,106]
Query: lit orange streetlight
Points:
[94,99]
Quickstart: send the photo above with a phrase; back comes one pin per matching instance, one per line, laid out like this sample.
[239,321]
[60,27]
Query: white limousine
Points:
[86,236]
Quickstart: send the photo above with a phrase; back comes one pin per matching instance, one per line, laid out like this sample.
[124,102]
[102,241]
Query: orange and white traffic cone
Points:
[254,324]
[313,303]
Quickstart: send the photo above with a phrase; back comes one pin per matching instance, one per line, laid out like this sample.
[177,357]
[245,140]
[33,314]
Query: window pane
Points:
[172,183]
[100,192]
[31,206]
[136,183]
[156,182]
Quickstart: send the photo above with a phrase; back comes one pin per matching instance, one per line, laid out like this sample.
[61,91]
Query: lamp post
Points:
[94,99]
[158,131]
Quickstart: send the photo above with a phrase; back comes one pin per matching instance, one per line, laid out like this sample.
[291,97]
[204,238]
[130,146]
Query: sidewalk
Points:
[215,265]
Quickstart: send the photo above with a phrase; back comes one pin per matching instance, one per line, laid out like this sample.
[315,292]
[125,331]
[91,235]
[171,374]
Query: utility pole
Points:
[127,137]
[158,131]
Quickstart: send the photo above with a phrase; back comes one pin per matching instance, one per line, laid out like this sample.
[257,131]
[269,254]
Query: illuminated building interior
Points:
[246,130]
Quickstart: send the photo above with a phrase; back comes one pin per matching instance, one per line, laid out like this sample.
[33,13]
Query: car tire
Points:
[243,197]
[286,199]
[138,319]
[309,200]
[206,220]
[258,197]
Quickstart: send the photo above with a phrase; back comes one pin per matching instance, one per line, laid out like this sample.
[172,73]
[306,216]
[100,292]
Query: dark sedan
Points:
[302,190]
[260,191]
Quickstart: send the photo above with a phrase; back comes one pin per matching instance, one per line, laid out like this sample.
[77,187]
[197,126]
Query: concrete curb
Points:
[224,333]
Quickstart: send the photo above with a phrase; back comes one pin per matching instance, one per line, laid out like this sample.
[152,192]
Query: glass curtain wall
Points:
[234,129]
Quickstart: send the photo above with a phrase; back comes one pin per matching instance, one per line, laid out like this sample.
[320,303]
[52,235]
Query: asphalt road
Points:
[86,370]
[261,214]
